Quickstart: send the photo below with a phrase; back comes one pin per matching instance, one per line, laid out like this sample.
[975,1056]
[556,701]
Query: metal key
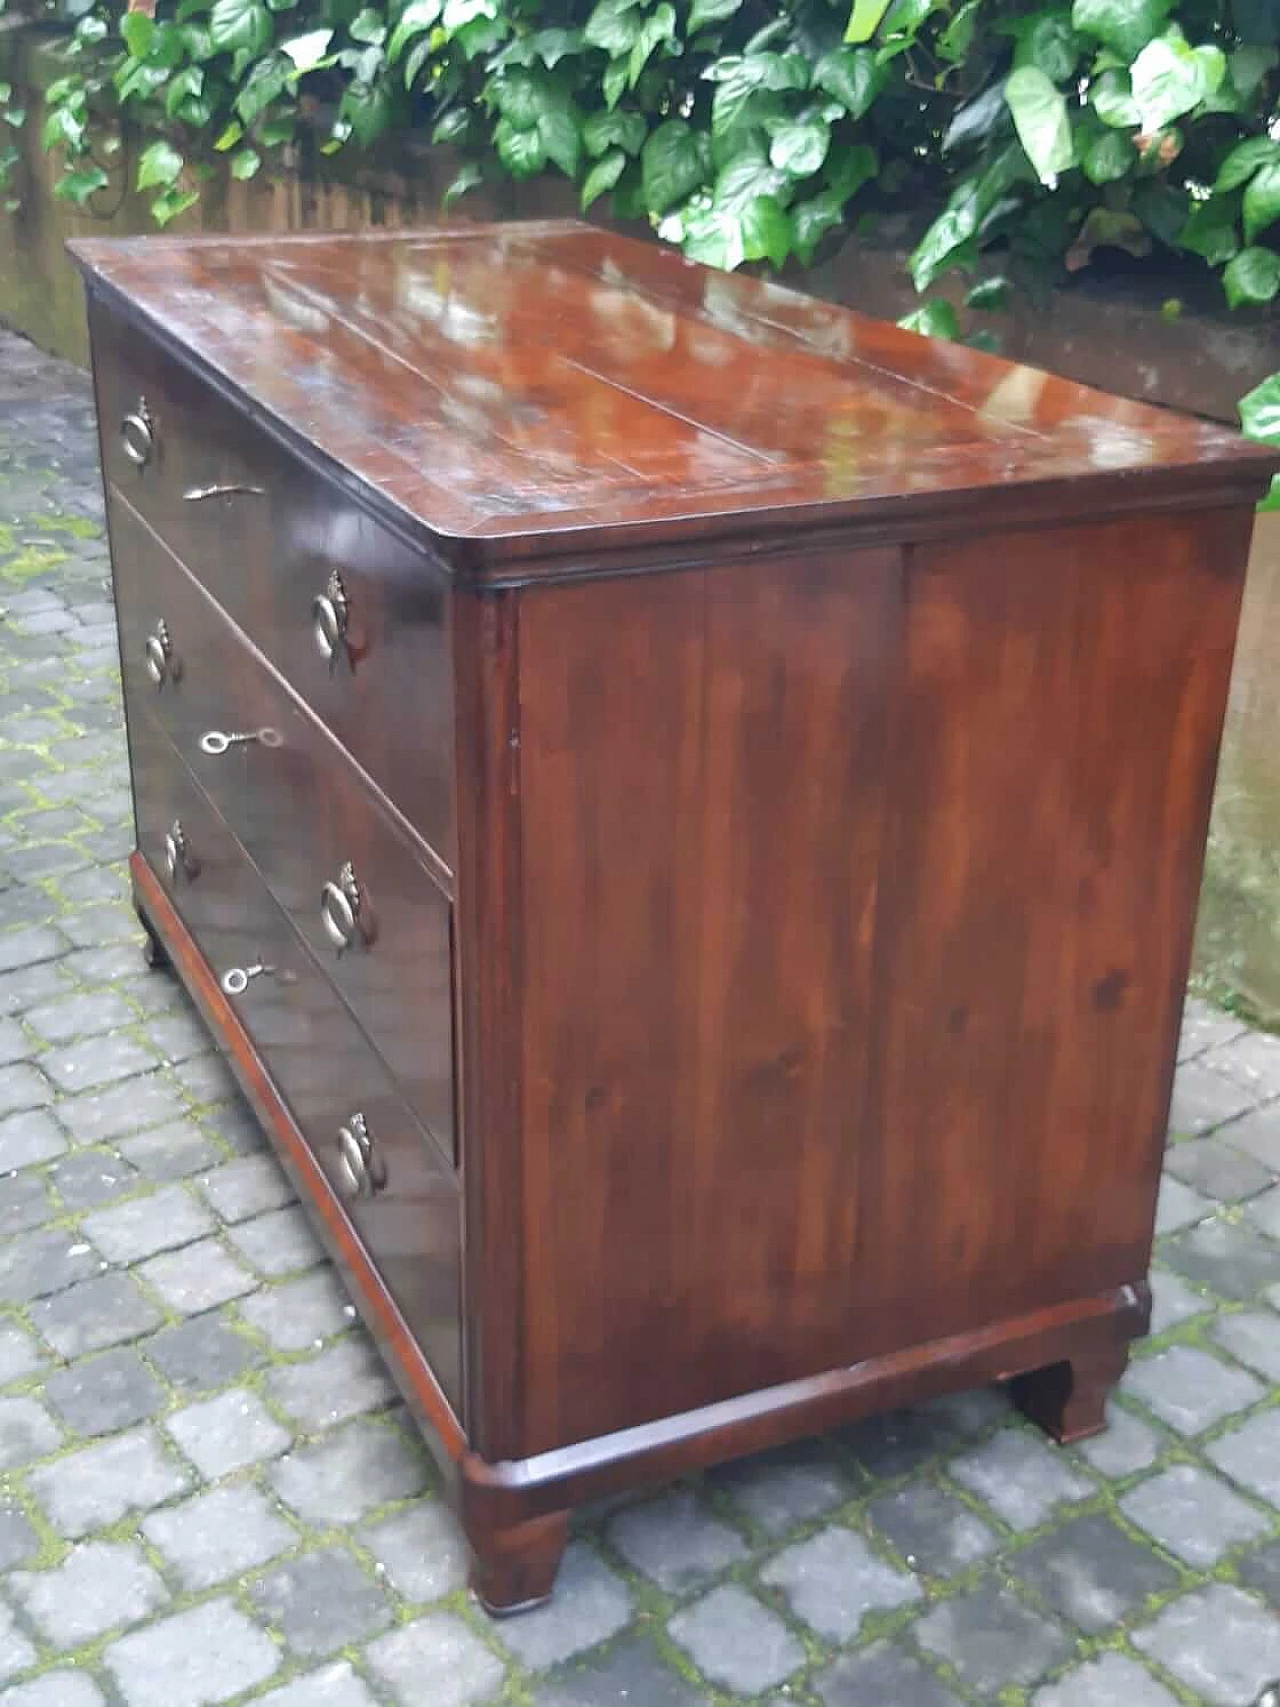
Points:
[215,743]
[235,980]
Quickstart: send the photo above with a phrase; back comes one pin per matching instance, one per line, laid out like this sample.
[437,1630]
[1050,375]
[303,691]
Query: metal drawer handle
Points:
[137,434]
[344,911]
[215,743]
[235,980]
[178,857]
[329,614]
[197,494]
[361,1170]
[162,663]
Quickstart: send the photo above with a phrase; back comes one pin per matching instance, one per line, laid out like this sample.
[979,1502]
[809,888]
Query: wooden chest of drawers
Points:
[684,808]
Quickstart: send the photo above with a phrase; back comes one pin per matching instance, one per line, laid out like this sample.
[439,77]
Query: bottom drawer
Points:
[399,1197]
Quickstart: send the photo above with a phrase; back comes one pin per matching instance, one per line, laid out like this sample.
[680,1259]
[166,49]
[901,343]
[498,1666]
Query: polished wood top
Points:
[524,393]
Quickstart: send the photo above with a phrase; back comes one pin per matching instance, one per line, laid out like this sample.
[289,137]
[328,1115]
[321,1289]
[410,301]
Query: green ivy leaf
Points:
[173,202]
[245,163]
[137,29]
[78,186]
[614,25]
[230,136]
[1249,65]
[745,180]
[189,81]
[956,41]
[160,164]
[1040,117]
[522,152]
[1047,41]
[1244,160]
[561,138]
[1253,277]
[452,126]
[92,28]
[370,26]
[418,15]
[738,77]
[978,120]
[658,26]
[62,129]
[1260,412]
[799,148]
[864,19]
[1261,201]
[278,130]
[467,179]
[973,200]
[603,176]
[264,84]
[1169,79]
[239,24]
[1111,97]
[989,296]
[704,12]
[936,319]
[458,14]
[1211,231]
[1108,157]
[621,129]
[673,163]
[850,169]
[614,82]
[766,231]
[416,58]
[307,51]
[852,77]
[715,239]
[366,107]
[1125,26]
[810,222]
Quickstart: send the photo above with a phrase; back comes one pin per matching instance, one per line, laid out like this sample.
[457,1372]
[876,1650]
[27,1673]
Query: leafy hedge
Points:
[745,130]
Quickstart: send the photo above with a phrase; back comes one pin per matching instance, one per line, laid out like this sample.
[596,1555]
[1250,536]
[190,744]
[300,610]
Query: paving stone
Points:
[344,1381]
[170,1152]
[834,1579]
[248,1186]
[107,1310]
[436,1660]
[95,1487]
[80,1015]
[347,1474]
[195,1659]
[881,1676]
[26,988]
[1179,1206]
[675,1540]
[736,1642]
[1215,1168]
[19,1353]
[896,1443]
[22,1087]
[333,1686]
[100,1586]
[1235,1261]
[24,1203]
[206,1079]
[321,1602]
[1264,1212]
[101,1116]
[27,947]
[933,1530]
[993,1640]
[104,1394]
[19,1541]
[1253,1338]
[199,1277]
[278,1243]
[27,1431]
[1020,1477]
[1250,1455]
[1173,1301]
[218,1534]
[179,1036]
[16,1652]
[420,1550]
[97,1061]
[1112,1680]
[87,1179]
[631,1675]
[1219,1642]
[1259,1570]
[55,1689]
[201,1355]
[34,1265]
[226,1433]
[14,1045]
[1258,1135]
[1125,1446]
[300,1313]
[128,1232]
[1251,1059]
[28,1138]
[780,1490]
[590,1604]
[1189,1389]
[1192,1513]
[1092,1573]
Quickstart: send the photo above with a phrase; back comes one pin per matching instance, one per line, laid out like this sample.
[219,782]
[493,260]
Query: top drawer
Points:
[354,619]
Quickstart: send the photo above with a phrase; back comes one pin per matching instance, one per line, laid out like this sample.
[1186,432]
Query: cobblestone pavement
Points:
[208,1492]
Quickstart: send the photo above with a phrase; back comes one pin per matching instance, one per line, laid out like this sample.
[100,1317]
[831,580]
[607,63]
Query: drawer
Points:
[374,661]
[409,1216]
[332,858]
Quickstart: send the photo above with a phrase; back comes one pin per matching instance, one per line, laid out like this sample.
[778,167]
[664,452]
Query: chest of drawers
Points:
[683,807]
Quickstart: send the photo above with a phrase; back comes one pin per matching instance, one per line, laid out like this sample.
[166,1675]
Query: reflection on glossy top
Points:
[527,389]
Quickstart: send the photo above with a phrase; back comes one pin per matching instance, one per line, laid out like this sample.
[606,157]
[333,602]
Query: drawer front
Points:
[318,1059]
[272,540]
[333,860]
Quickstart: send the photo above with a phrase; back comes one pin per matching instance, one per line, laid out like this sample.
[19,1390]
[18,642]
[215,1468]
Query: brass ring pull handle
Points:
[197,494]
[236,979]
[344,911]
[361,1170]
[137,435]
[215,743]
[329,614]
[178,857]
[162,662]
